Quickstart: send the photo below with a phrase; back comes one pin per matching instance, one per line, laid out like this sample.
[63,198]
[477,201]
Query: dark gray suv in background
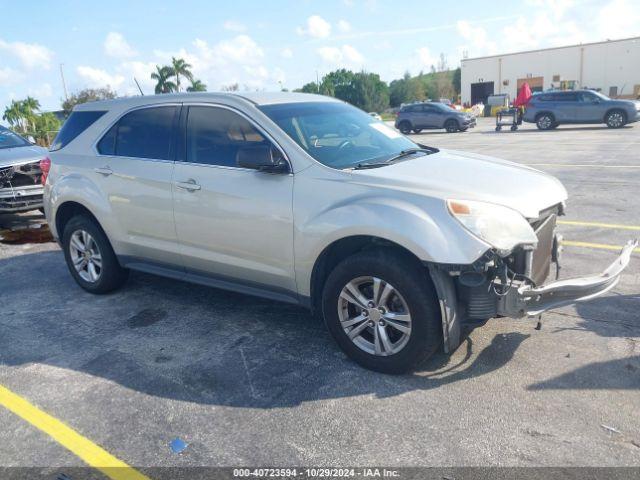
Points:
[420,116]
[550,109]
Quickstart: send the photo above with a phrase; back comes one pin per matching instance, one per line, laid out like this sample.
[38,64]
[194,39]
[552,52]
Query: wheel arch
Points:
[544,112]
[340,249]
[69,209]
[615,109]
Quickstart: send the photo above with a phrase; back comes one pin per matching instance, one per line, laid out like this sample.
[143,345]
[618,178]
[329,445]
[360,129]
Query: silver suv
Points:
[305,199]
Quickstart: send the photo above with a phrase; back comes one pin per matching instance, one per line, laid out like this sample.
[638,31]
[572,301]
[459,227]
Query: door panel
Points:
[139,190]
[232,223]
[589,108]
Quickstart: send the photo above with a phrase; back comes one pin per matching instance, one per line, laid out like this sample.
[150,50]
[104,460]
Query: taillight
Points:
[45,166]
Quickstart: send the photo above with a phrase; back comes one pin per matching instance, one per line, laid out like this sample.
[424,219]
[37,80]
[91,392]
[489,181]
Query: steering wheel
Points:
[344,144]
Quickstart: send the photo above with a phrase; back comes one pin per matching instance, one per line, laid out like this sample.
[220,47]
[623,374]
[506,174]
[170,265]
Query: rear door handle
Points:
[106,171]
[190,185]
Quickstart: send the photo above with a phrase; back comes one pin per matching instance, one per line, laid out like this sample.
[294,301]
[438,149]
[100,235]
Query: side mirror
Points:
[263,158]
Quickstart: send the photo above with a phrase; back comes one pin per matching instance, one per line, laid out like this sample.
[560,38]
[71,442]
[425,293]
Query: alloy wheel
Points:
[545,122]
[374,316]
[85,256]
[615,120]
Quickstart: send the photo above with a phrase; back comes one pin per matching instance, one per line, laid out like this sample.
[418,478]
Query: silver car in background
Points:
[20,174]
[308,200]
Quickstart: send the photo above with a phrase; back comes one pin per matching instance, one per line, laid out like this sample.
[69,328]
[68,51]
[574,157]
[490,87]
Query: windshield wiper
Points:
[403,153]
[409,151]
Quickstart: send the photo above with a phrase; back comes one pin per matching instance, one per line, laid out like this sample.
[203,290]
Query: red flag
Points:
[524,95]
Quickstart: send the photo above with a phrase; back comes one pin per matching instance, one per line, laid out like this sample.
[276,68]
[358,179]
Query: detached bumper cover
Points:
[528,301]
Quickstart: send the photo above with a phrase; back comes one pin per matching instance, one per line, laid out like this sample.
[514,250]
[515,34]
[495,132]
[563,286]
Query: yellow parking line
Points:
[85,449]
[598,224]
[601,246]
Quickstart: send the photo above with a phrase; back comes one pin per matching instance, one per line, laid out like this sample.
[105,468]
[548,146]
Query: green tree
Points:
[163,84]
[197,86]
[457,80]
[87,95]
[311,87]
[45,127]
[179,66]
[14,116]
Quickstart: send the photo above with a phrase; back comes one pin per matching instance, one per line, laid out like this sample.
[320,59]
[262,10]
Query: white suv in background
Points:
[306,199]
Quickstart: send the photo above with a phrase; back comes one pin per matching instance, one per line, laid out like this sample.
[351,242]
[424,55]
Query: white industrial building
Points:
[612,67]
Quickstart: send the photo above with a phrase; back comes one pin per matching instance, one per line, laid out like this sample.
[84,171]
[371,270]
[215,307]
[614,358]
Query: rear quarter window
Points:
[77,123]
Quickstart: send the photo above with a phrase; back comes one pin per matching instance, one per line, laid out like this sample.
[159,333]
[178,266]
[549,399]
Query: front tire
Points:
[381,308]
[90,258]
[451,126]
[615,119]
[405,127]
[417,130]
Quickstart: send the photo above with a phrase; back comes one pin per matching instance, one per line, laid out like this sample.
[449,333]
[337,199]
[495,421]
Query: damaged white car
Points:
[305,199]
[20,174]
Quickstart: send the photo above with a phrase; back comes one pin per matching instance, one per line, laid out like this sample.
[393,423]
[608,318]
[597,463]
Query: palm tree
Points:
[180,67]
[163,84]
[29,106]
[197,86]
[14,114]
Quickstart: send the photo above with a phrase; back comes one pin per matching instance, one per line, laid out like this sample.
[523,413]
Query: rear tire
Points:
[615,119]
[545,121]
[410,303]
[90,258]
[404,127]
[451,126]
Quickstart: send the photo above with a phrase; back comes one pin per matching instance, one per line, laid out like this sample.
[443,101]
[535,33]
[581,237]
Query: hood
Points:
[21,155]
[467,176]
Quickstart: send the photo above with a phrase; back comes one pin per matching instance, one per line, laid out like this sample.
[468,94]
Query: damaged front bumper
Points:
[20,187]
[526,300]
[464,303]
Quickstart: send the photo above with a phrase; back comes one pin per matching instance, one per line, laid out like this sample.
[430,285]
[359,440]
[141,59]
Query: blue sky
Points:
[266,44]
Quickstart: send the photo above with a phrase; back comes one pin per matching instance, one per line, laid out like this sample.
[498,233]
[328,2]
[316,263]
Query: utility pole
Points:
[138,85]
[64,85]
[317,81]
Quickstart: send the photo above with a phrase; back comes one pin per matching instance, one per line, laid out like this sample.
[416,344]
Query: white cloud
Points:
[317,27]
[9,76]
[237,60]
[344,26]
[477,38]
[31,55]
[234,26]
[97,78]
[345,55]
[286,53]
[425,58]
[116,46]
[618,19]
[41,91]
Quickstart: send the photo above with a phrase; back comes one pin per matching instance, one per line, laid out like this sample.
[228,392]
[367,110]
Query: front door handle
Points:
[190,185]
[106,171]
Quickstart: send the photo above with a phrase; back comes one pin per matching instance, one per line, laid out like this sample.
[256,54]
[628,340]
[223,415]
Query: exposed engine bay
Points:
[20,187]
[512,286]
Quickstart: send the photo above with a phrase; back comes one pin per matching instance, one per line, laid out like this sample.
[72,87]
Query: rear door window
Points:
[144,133]
[77,123]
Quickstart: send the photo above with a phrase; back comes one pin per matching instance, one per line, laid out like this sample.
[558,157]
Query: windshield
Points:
[336,134]
[9,139]
[601,95]
[445,107]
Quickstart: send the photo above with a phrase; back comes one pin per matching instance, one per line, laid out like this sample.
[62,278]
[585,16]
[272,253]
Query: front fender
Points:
[427,230]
